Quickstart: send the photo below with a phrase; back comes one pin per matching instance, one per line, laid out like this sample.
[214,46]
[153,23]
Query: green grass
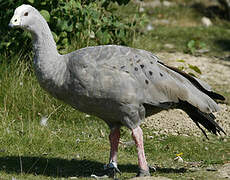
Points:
[216,39]
[184,24]
[73,145]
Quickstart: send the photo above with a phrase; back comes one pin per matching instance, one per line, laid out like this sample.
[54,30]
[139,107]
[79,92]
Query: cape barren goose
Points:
[118,84]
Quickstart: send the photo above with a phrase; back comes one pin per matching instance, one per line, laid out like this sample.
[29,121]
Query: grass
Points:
[183,24]
[75,145]
[216,39]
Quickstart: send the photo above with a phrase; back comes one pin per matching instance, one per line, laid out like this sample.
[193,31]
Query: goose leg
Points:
[114,137]
[137,135]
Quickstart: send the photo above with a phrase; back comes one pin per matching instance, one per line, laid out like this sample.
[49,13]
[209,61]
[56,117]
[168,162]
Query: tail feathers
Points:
[207,120]
[214,95]
[198,83]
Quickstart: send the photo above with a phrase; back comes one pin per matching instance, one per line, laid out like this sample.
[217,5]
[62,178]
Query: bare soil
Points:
[216,73]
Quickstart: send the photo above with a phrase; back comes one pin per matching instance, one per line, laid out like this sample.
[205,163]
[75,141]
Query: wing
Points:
[123,69]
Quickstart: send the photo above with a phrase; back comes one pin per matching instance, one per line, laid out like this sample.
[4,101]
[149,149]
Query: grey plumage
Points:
[111,82]
[121,85]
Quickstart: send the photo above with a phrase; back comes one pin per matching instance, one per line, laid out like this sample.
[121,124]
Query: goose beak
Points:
[15,21]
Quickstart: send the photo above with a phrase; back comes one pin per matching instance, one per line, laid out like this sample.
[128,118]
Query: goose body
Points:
[120,85]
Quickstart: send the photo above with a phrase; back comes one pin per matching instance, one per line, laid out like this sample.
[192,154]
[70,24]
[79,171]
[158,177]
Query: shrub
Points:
[79,23]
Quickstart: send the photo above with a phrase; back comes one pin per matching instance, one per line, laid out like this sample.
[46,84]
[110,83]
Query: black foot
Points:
[143,173]
[111,170]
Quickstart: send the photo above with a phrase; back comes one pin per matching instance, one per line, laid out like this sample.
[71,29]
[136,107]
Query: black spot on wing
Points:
[122,67]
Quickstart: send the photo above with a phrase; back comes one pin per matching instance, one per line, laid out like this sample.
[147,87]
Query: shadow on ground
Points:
[57,167]
[212,11]
[171,170]
[224,44]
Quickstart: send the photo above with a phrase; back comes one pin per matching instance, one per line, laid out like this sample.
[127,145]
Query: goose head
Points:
[25,17]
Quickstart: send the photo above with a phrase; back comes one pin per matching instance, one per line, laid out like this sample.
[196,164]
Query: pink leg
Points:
[114,141]
[138,138]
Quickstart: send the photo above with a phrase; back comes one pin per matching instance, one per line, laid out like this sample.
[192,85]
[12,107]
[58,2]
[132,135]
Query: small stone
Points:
[193,169]
[167,3]
[150,137]
[169,46]
[73,178]
[211,169]
[224,171]
[206,21]
[174,133]
[201,51]
[98,177]
[149,27]
[43,121]
[92,35]
[141,9]
[77,140]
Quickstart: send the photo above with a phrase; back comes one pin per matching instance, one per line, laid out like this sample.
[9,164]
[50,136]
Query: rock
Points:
[152,4]
[169,46]
[174,133]
[150,137]
[141,9]
[167,3]
[201,51]
[43,121]
[194,169]
[149,27]
[162,21]
[73,178]
[92,35]
[224,171]
[211,169]
[206,21]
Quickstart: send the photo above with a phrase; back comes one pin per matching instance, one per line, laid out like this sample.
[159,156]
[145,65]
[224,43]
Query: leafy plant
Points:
[77,23]
[194,45]
[188,67]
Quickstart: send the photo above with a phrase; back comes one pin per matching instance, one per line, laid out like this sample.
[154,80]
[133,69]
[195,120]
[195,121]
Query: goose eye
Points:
[26,14]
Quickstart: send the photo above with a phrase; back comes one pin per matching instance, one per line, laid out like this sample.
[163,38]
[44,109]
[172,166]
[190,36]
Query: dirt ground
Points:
[216,73]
